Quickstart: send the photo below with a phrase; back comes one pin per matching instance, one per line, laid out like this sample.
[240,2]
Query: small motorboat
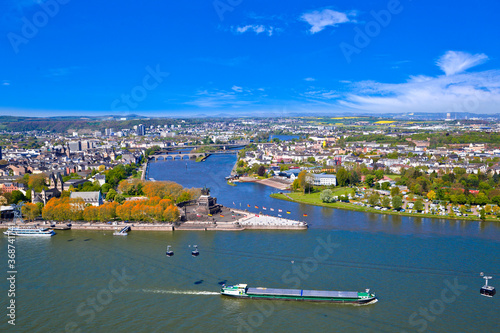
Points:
[169,252]
[195,252]
[486,290]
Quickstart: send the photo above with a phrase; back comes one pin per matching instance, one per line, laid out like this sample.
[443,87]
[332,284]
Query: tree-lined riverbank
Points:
[314,199]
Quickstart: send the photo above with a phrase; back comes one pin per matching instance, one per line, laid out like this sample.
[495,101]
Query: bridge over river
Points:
[165,156]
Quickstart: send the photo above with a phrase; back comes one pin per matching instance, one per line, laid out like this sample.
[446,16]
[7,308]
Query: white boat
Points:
[29,231]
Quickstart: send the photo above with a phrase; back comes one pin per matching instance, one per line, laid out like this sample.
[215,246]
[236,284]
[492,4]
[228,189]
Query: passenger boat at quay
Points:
[243,291]
[29,231]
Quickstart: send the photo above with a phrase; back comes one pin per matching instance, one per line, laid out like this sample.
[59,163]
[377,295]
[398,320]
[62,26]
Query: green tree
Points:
[326,196]
[395,191]
[373,199]
[185,196]
[304,181]
[386,202]
[342,177]
[284,167]
[119,198]
[369,179]
[17,196]
[397,202]
[354,177]
[105,188]
[111,195]
[151,151]
[419,205]
[261,171]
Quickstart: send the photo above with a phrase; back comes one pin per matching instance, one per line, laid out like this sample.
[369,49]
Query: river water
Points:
[425,272]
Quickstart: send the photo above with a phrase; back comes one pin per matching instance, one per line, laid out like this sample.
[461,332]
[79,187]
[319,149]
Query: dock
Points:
[122,232]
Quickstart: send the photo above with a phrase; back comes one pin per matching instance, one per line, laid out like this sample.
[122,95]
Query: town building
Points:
[90,198]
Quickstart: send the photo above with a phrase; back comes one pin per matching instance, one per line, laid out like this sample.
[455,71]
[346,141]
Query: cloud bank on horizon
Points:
[248,58]
[456,91]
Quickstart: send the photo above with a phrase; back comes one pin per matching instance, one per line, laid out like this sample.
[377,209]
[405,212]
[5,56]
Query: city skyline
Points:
[241,58]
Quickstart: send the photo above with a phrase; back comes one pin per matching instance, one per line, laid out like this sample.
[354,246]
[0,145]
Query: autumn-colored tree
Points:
[195,193]
[171,214]
[30,211]
[91,213]
[129,186]
[431,195]
[37,181]
[148,209]
[123,212]
[64,209]
[108,211]
[162,189]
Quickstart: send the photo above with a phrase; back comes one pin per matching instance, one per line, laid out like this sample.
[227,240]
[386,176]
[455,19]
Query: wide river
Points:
[425,272]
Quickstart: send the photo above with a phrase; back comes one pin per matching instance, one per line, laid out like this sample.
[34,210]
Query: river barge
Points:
[243,291]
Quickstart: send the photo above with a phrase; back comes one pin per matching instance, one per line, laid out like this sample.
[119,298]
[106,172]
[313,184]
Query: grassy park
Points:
[314,199]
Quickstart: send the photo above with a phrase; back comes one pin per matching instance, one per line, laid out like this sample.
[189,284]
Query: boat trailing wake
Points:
[368,303]
[180,292]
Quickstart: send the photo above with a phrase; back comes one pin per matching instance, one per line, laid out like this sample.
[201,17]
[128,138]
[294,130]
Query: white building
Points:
[92,198]
[324,180]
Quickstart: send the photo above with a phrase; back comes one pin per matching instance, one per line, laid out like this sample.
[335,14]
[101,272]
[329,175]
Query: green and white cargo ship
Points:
[243,291]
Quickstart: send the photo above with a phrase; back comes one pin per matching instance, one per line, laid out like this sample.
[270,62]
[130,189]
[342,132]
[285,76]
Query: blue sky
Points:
[242,57]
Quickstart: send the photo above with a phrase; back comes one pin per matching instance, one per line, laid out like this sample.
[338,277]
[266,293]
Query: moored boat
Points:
[243,291]
[29,231]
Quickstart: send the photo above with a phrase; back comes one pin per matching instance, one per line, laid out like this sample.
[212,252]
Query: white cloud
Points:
[457,91]
[5,83]
[236,98]
[213,99]
[61,71]
[454,62]
[468,92]
[257,28]
[321,94]
[319,20]
[310,79]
